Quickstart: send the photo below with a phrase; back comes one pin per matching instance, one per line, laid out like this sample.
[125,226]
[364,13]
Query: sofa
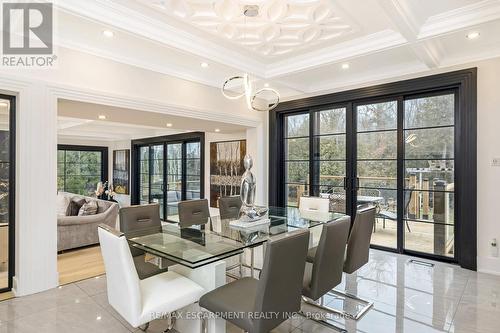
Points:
[78,231]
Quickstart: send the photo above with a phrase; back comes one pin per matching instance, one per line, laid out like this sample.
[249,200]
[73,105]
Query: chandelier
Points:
[251,95]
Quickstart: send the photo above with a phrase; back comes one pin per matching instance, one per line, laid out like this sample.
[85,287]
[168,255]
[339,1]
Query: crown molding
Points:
[360,46]
[408,24]
[96,97]
[123,18]
[456,61]
[131,21]
[460,18]
[175,71]
[367,80]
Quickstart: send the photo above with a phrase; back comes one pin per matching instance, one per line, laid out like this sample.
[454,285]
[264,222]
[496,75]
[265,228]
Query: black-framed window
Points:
[80,168]
[7,190]
[428,123]
[168,169]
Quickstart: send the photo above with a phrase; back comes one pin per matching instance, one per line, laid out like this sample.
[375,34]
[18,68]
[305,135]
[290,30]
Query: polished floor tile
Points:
[407,297]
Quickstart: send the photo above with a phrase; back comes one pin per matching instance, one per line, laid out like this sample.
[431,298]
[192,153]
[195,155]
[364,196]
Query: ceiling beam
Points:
[409,27]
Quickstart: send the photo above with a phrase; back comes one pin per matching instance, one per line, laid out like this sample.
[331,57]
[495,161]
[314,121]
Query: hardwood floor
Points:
[80,264]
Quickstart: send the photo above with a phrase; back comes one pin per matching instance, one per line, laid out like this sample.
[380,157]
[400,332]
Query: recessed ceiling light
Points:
[204,65]
[473,35]
[98,318]
[217,130]
[108,33]
[345,66]
[102,117]
[169,125]
[266,85]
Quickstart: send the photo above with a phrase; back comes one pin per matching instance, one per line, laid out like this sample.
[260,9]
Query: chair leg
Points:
[144,327]
[355,316]
[204,325]
[325,308]
[241,265]
[408,226]
[171,323]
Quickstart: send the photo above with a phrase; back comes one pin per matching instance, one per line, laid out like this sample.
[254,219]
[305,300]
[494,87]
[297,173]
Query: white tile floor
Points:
[407,298]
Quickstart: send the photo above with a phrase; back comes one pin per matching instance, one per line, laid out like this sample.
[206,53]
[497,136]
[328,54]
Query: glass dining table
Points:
[217,239]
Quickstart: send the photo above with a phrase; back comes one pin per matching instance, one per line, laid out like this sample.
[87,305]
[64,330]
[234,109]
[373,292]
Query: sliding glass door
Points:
[296,159]
[429,174]
[7,173]
[395,154]
[376,166]
[168,170]
[156,184]
[329,157]
[174,177]
[183,174]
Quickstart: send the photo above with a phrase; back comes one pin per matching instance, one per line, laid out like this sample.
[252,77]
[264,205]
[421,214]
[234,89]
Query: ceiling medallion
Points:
[250,94]
[251,10]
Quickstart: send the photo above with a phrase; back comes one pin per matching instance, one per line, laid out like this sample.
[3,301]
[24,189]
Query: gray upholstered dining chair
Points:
[193,212]
[325,271]
[229,207]
[277,292]
[135,218]
[358,254]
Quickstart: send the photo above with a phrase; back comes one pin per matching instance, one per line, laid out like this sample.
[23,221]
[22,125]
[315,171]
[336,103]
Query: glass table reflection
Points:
[197,246]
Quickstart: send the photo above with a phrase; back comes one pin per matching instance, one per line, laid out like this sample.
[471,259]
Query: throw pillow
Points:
[89,208]
[62,204]
[74,206]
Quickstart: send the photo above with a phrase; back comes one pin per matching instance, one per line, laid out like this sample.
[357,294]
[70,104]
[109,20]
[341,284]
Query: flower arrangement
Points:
[105,191]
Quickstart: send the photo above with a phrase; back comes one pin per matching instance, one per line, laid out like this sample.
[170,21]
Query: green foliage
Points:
[376,142]
[78,171]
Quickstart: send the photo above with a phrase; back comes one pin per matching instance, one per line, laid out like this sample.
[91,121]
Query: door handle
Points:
[357,183]
[345,183]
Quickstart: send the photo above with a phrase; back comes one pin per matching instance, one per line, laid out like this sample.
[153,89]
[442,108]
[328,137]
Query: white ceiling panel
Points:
[296,46]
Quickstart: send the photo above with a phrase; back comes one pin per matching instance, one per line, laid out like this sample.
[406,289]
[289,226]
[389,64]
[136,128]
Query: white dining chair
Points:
[141,301]
[314,204]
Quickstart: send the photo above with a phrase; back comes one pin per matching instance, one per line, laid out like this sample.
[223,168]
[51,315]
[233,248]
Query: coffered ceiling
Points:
[280,28]
[297,46]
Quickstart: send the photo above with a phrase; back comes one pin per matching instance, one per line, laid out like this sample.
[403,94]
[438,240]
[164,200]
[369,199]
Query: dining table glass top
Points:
[217,239]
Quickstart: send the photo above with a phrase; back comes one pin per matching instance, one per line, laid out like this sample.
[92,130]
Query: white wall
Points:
[91,79]
[488,177]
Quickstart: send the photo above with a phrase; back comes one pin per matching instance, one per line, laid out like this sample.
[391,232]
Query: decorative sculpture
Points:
[249,212]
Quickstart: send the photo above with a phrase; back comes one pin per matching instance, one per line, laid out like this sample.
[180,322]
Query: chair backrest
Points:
[280,285]
[358,245]
[229,207]
[193,212]
[123,287]
[329,260]
[139,217]
[314,203]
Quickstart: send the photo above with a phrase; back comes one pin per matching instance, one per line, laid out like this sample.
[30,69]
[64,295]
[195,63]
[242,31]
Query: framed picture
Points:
[121,171]
[226,168]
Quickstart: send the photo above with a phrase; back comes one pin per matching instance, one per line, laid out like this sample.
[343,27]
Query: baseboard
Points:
[488,265]
[14,286]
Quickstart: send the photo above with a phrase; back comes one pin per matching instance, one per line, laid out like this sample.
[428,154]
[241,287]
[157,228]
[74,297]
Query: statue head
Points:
[248,162]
